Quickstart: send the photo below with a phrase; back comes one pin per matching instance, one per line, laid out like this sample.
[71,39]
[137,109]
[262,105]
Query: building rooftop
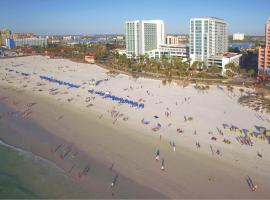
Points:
[210,17]
[226,55]
[230,55]
[174,46]
[145,20]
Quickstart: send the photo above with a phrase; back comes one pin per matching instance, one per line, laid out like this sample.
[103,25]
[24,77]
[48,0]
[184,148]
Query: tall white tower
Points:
[208,37]
[143,36]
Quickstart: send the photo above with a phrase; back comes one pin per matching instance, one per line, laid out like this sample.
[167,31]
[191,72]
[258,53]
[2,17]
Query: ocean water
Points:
[26,176]
[240,45]
[11,183]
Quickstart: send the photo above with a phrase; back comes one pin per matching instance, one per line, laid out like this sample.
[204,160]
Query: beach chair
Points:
[261,137]
[227,130]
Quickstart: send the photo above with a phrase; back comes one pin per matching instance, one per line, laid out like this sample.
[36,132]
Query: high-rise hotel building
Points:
[208,37]
[264,51]
[143,36]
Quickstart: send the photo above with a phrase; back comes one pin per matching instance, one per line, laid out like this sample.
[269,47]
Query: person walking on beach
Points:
[198,145]
[174,148]
[114,180]
[251,184]
[157,155]
[162,165]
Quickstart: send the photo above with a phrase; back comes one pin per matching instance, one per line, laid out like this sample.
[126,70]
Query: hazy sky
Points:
[108,16]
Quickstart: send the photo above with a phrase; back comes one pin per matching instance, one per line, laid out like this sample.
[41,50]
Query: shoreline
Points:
[98,180]
[131,146]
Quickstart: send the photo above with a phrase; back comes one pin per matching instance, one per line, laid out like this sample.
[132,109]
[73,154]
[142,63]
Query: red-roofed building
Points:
[90,58]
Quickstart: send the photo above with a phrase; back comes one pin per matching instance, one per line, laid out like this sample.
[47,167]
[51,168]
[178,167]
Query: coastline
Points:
[29,136]
[132,147]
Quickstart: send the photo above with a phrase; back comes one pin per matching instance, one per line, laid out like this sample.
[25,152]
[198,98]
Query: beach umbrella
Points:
[260,128]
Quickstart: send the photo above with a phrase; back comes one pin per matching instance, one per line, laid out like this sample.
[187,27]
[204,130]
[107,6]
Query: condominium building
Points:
[208,37]
[27,42]
[238,36]
[176,39]
[143,36]
[223,60]
[264,51]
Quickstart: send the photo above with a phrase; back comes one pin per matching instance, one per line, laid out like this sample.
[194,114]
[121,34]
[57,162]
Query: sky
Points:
[71,17]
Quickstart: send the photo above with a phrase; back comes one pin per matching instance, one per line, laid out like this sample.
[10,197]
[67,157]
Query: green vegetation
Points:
[174,68]
[257,102]
[170,68]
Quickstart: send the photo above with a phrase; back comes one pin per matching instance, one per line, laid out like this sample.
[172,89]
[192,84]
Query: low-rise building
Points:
[90,58]
[120,37]
[239,36]
[28,42]
[223,60]
[121,51]
[170,51]
[71,37]
[176,39]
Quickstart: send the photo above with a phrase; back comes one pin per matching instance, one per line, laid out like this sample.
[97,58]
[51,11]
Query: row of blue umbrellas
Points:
[59,82]
[118,99]
[99,93]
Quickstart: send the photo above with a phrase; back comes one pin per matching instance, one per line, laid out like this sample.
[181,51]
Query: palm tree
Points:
[164,61]
[188,62]
[215,69]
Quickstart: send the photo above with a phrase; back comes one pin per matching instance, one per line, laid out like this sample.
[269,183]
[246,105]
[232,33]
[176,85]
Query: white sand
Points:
[208,110]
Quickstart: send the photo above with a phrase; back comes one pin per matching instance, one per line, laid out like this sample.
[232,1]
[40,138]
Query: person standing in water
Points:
[157,155]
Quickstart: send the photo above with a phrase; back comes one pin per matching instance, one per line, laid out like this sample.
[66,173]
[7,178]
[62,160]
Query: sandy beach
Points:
[104,131]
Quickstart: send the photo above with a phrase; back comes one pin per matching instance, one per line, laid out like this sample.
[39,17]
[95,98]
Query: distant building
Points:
[10,43]
[54,39]
[170,51]
[23,35]
[238,36]
[264,51]
[71,37]
[28,42]
[90,58]
[120,37]
[176,39]
[5,34]
[223,60]
[143,36]
[121,51]
[67,37]
[208,37]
